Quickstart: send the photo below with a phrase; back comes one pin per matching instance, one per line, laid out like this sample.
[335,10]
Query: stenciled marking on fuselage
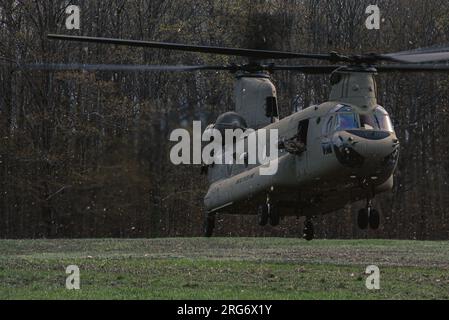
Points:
[244,179]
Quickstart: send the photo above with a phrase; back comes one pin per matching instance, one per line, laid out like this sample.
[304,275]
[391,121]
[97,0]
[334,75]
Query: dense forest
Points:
[86,154]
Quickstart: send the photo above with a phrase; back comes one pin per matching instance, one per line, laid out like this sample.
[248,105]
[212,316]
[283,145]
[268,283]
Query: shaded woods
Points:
[87,154]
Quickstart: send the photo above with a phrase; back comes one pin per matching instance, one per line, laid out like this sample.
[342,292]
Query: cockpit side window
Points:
[378,120]
[383,119]
[385,123]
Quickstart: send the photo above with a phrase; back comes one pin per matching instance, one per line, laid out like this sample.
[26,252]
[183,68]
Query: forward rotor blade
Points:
[305,69]
[117,68]
[416,56]
[250,53]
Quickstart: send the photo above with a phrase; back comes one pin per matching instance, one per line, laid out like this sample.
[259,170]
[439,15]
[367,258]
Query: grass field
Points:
[223,268]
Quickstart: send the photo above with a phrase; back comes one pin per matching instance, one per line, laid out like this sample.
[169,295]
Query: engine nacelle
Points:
[256,100]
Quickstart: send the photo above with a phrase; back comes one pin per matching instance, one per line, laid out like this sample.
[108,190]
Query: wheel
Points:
[362,219]
[209,225]
[309,232]
[273,213]
[374,219]
[262,215]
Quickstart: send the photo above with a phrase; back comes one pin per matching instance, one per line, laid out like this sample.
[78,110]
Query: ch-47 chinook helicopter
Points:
[339,152]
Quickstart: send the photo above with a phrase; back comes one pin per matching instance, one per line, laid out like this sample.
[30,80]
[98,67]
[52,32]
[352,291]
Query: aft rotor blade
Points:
[326,69]
[117,68]
[307,69]
[250,53]
[432,54]
[413,68]
[382,68]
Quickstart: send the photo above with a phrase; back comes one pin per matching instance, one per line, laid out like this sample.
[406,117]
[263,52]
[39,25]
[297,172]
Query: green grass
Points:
[223,268]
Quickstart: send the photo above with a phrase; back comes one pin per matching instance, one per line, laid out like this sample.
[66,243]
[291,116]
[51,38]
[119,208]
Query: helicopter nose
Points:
[373,151]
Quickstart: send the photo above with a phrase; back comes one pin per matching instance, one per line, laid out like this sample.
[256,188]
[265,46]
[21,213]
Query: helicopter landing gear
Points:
[308,232]
[368,217]
[273,212]
[374,219]
[362,218]
[209,225]
[268,212]
[274,215]
[262,215]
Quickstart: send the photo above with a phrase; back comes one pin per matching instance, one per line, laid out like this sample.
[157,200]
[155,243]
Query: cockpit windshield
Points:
[345,118]
[369,122]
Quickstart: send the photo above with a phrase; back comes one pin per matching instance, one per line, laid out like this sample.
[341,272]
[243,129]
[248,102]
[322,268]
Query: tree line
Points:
[86,154]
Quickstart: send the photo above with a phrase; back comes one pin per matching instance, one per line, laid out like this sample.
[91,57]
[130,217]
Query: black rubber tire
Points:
[274,217]
[262,215]
[363,219]
[309,232]
[374,219]
[209,225]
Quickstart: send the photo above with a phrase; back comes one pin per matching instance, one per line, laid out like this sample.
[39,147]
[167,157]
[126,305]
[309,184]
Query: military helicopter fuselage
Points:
[344,160]
[330,155]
